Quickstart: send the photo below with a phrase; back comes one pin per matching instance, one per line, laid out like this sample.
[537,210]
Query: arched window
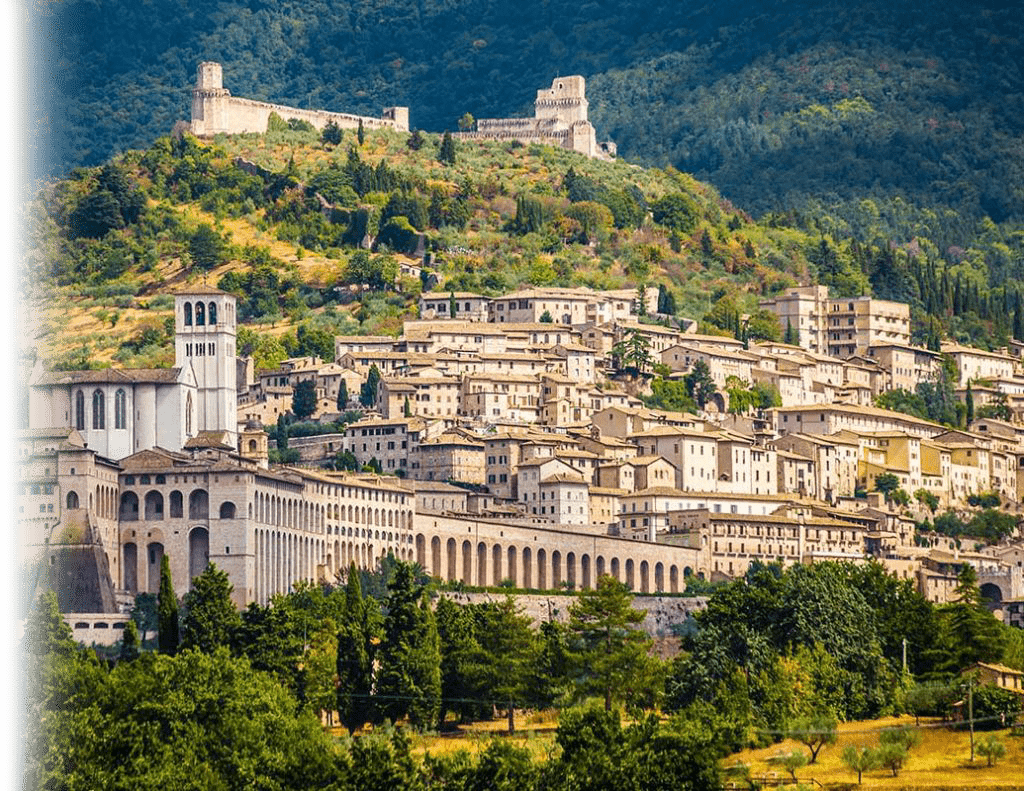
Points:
[227,510]
[72,501]
[98,410]
[176,505]
[200,311]
[188,314]
[198,504]
[188,414]
[212,314]
[120,413]
[80,410]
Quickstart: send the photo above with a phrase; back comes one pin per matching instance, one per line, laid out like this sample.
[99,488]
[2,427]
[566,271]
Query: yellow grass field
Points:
[942,760]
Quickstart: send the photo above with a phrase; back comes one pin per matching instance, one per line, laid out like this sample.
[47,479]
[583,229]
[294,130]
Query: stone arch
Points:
[80,410]
[556,569]
[227,510]
[496,564]
[129,508]
[211,313]
[629,573]
[154,506]
[673,579]
[570,570]
[198,552]
[527,568]
[599,567]
[481,563]
[435,556]
[992,592]
[511,565]
[131,567]
[154,556]
[200,314]
[188,314]
[659,577]
[467,563]
[645,583]
[71,503]
[542,571]
[198,504]
[615,569]
[585,572]
[421,549]
[687,572]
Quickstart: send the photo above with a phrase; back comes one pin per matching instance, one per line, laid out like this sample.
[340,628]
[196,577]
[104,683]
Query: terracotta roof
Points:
[111,376]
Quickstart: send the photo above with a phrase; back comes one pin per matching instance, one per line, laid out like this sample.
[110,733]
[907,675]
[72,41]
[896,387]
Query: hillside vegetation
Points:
[287,233]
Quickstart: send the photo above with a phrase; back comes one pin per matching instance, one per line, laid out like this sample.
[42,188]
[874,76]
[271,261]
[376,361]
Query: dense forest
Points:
[233,697]
[793,106]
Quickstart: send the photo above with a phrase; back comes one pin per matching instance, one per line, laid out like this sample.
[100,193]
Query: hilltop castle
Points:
[216,111]
[559,118]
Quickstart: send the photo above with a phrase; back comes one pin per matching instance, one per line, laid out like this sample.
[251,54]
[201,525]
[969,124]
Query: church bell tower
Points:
[204,340]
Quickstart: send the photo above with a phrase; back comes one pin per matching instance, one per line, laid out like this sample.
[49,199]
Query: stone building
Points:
[119,412]
[559,118]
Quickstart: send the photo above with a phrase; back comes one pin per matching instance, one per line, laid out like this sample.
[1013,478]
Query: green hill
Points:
[284,230]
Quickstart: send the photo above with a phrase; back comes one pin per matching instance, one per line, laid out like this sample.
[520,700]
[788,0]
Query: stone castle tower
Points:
[209,100]
[204,340]
[565,101]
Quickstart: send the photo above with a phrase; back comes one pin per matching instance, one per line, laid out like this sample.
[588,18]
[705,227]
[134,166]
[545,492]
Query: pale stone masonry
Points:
[216,111]
[560,118]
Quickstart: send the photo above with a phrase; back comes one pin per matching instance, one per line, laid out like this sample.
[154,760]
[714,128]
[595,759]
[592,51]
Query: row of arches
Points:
[198,506]
[145,578]
[485,564]
[289,512]
[284,558]
[102,501]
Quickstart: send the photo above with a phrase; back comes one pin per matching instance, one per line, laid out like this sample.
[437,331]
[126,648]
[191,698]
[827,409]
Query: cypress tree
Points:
[355,656]
[129,643]
[446,154]
[969,398]
[342,396]
[167,610]
[361,133]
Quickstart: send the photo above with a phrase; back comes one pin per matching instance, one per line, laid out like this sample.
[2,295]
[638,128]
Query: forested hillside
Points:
[773,104]
[892,124]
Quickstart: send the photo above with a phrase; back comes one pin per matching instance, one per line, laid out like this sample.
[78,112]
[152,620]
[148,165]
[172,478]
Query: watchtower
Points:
[209,100]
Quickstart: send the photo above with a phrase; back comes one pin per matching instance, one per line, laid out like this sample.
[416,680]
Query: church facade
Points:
[119,412]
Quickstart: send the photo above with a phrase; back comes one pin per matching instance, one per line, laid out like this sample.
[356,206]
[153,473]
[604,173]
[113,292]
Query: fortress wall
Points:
[248,115]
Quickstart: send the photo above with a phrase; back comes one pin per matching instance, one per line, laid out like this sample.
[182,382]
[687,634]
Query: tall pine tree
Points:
[409,675]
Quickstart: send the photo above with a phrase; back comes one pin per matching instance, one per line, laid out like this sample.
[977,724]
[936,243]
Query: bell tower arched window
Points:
[211,314]
[188,314]
[188,414]
[98,410]
[80,410]
[120,412]
[200,314]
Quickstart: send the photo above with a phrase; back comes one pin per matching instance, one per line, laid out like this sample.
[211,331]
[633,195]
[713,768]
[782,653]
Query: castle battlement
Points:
[559,117]
[216,111]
